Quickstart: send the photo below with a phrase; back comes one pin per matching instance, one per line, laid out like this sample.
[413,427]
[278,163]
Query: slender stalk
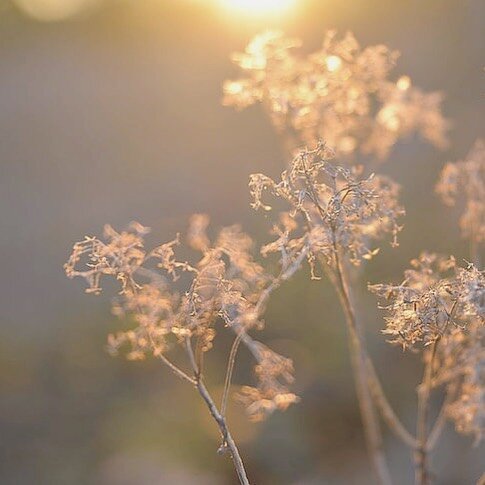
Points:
[386,410]
[426,443]
[178,372]
[227,439]
[360,368]
[440,422]
[359,358]
[241,335]
[422,476]
[230,369]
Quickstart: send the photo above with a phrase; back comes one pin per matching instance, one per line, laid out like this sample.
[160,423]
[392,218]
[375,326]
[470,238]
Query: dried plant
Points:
[341,93]
[225,288]
[335,217]
[439,309]
[330,209]
[464,181]
[332,217]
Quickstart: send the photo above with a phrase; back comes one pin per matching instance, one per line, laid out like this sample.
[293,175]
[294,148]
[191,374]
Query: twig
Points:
[178,372]
[421,455]
[226,435]
[227,439]
[441,419]
[370,420]
[387,413]
[359,363]
[230,369]
[241,334]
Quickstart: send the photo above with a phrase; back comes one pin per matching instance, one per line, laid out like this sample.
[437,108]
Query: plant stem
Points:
[227,439]
[440,422]
[387,413]
[421,454]
[230,369]
[226,435]
[241,335]
[197,381]
[359,363]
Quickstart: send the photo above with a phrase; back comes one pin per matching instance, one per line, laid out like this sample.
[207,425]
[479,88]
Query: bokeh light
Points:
[258,7]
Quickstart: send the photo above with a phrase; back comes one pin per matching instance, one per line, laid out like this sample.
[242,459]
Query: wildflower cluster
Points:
[465,180]
[434,297]
[460,367]
[225,286]
[341,93]
[344,94]
[440,308]
[331,210]
[273,372]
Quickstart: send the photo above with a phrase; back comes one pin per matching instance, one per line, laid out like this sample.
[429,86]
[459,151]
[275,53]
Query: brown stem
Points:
[425,443]
[359,363]
[241,335]
[227,439]
[422,476]
[440,422]
[177,371]
[230,369]
[386,410]
[359,359]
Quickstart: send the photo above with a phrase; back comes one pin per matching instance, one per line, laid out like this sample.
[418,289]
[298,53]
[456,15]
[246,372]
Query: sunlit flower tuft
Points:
[341,93]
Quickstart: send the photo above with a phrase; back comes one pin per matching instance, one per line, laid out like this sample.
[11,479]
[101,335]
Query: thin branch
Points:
[359,363]
[424,391]
[240,334]
[441,419]
[421,455]
[230,369]
[178,372]
[192,360]
[386,410]
[370,420]
[227,439]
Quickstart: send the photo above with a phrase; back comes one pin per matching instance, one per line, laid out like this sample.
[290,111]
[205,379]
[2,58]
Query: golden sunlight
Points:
[333,63]
[258,6]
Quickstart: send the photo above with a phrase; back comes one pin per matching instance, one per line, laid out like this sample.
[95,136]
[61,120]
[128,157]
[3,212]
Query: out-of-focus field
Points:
[115,115]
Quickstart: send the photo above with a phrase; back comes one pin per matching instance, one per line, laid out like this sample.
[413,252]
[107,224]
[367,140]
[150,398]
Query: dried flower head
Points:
[274,373]
[465,181]
[331,210]
[440,309]
[435,296]
[460,366]
[119,255]
[226,285]
[341,93]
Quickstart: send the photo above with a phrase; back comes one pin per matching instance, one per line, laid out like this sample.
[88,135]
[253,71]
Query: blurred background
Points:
[110,111]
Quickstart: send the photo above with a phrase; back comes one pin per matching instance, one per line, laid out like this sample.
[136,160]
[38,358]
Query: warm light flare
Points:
[333,63]
[258,6]
[403,83]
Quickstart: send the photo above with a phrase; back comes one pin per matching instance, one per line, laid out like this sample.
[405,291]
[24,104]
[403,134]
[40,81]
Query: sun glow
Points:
[258,6]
